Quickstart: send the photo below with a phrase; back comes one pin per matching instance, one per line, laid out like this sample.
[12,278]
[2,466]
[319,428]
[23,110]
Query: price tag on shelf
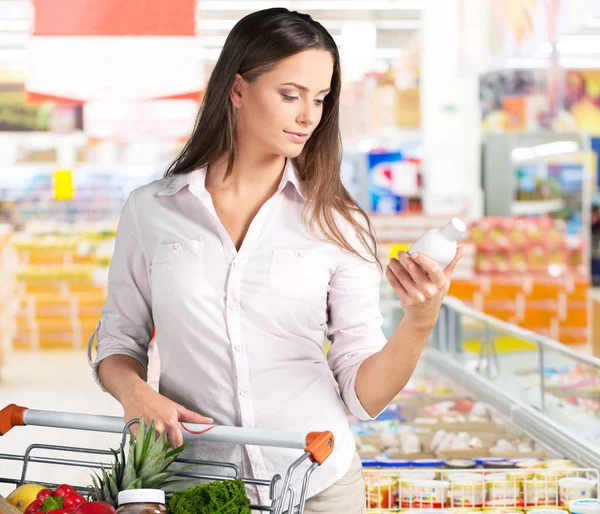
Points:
[62,182]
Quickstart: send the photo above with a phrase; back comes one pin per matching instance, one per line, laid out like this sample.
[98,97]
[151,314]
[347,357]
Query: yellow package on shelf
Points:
[27,244]
[49,333]
[68,273]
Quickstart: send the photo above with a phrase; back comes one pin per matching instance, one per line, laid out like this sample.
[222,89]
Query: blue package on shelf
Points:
[380,182]
[392,413]
[370,463]
[428,463]
[482,460]
[394,463]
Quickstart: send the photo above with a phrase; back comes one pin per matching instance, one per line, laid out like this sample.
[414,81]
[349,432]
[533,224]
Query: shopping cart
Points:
[283,495]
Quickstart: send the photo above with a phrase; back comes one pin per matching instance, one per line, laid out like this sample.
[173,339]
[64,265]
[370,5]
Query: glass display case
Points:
[559,382]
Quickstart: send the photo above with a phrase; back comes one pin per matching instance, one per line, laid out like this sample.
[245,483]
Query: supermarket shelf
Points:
[526,208]
[538,426]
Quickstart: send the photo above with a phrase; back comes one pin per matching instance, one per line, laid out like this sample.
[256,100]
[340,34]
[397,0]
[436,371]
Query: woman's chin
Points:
[292,152]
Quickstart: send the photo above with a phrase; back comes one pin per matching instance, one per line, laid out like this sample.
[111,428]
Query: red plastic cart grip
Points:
[319,445]
[11,416]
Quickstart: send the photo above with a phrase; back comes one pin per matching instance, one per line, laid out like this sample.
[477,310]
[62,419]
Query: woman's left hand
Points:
[421,285]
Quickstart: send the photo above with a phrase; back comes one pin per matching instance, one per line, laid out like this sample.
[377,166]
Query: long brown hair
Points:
[254,46]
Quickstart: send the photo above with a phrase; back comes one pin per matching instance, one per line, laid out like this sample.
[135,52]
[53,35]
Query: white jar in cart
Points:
[575,488]
[440,244]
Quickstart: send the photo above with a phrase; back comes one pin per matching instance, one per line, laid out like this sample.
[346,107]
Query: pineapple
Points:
[146,466]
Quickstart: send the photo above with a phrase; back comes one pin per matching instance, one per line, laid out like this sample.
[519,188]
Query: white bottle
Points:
[440,244]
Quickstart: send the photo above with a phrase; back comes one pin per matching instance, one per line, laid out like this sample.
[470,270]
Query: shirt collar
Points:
[196,180]
[290,175]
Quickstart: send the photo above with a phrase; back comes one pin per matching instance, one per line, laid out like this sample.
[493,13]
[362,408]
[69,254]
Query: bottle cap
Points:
[455,229]
[141,496]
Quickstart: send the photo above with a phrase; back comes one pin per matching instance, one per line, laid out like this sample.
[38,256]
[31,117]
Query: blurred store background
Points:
[488,110]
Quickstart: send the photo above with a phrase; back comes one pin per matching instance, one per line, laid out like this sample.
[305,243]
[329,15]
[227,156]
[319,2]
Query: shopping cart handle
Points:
[319,444]
[11,416]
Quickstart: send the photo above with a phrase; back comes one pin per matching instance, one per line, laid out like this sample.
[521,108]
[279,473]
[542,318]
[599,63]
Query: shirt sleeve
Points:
[126,324]
[354,325]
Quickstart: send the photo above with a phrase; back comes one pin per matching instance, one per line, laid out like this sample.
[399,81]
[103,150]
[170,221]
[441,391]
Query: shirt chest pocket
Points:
[178,267]
[299,274]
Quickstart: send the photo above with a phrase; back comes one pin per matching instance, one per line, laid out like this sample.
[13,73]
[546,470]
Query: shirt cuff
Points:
[109,346]
[351,398]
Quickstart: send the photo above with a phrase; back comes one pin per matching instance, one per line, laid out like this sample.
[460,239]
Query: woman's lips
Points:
[297,137]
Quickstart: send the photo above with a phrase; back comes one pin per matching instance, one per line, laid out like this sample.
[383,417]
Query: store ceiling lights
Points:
[313,5]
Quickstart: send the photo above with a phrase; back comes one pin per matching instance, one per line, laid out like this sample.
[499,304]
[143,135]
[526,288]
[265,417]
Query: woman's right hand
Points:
[165,413]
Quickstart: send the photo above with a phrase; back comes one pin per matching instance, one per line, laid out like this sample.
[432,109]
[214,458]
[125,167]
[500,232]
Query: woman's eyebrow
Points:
[304,88]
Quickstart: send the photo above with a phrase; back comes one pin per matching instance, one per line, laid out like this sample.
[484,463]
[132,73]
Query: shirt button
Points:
[244,392]
[237,264]
[232,306]
[302,253]
[177,246]
[238,347]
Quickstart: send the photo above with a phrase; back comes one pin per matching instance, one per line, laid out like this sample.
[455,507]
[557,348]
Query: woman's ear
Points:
[237,91]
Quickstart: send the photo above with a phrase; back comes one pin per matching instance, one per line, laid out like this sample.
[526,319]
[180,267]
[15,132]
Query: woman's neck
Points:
[251,174]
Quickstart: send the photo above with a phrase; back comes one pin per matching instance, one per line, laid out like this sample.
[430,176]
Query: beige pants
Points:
[346,496]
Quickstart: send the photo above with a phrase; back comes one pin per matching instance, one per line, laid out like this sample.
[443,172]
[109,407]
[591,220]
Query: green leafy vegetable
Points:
[52,503]
[228,497]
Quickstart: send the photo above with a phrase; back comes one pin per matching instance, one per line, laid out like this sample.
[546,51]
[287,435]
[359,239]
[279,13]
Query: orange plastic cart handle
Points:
[11,416]
[319,445]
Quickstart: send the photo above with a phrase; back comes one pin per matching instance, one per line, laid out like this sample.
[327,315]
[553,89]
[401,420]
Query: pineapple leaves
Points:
[106,489]
[136,484]
[95,489]
[140,443]
[129,474]
[145,464]
[159,480]
[158,448]
[145,442]
[171,455]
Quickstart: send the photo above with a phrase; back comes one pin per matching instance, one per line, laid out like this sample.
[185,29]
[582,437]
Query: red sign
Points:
[113,50]
[114,17]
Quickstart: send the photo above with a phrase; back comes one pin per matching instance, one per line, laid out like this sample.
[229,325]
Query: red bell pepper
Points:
[94,508]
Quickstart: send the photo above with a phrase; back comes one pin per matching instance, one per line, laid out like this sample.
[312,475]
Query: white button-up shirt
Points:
[240,333]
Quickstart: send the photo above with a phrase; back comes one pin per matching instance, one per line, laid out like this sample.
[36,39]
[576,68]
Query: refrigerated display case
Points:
[514,456]
[485,393]
[556,387]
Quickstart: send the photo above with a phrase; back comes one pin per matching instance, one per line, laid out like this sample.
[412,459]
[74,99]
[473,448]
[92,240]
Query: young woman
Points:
[245,252]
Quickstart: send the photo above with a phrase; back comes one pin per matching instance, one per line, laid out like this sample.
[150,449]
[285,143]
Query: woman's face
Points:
[281,109]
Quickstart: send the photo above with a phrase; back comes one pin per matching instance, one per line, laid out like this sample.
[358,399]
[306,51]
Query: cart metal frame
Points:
[283,495]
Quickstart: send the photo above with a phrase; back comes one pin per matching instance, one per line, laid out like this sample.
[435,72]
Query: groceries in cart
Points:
[63,500]
[134,484]
[149,476]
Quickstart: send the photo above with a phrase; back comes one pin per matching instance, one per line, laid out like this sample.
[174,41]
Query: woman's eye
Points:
[289,98]
[319,102]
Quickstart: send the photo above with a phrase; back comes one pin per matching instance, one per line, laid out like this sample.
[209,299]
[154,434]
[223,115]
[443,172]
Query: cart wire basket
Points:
[284,496]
